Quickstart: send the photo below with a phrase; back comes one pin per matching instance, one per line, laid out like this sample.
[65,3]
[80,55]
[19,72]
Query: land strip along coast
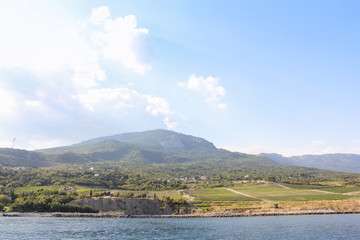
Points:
[207,215]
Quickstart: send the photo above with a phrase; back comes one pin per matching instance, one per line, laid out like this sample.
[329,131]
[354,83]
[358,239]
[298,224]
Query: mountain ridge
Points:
[158,139]
[162,148]
[346,162]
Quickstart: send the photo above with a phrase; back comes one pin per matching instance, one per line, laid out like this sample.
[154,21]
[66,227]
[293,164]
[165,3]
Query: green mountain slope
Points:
[21,158]
[158,139]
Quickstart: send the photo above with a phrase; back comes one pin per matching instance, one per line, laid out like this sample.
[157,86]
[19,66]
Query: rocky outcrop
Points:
[128,206]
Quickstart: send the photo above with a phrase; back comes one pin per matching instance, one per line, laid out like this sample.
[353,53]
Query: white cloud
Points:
[221,106]
[34,104]
[52,82]
[8,103]
[157,105]
[170,125]
[85,63]
[100,15]
[104,98]
[120,39]
[208,86]
[41,45]
[122,99]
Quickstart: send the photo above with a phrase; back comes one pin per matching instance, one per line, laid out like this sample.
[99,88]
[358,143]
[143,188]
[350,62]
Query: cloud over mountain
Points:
[210,87]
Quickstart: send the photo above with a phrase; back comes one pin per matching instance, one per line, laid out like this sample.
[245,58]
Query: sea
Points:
[278,227]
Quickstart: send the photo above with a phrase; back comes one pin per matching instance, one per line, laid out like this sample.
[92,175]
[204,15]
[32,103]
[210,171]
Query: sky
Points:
[250,76]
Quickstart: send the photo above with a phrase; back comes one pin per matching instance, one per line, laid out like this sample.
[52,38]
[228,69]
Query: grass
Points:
[314,197]
[334,189]
[298,186]
[174,194]
[217,194]
[342,189]
[265,191]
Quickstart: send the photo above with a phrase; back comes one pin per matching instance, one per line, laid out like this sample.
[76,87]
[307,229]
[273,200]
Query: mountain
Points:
[158,139]
[337,162]
[155,146]
[277,158]
[151,148]
[160,153]
[21,158]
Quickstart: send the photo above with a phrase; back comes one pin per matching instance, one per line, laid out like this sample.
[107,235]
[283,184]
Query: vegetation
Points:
[161,165]
[313,198]
[41,200]
[275,190]
[217,194]
[342,189]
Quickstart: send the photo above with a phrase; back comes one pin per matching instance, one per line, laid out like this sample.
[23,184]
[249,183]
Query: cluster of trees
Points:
[104,179]
[41,201]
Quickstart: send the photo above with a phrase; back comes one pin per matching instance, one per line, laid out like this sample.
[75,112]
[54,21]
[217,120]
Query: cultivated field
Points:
[216,194]
[275,193]
[264,191]
[282,197]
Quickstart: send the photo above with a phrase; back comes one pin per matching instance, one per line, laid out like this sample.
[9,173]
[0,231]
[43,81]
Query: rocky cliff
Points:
[127,206]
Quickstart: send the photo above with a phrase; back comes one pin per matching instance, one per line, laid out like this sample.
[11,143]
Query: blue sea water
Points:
[279,227]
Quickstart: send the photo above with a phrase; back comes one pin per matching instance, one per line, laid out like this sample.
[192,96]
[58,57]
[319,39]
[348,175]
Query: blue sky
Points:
[249,76]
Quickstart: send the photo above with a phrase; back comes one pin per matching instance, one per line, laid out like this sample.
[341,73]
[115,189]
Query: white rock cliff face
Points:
[126,205]
[172,142]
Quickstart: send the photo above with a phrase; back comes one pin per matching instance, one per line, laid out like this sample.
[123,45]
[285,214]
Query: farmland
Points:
[217,194]
[267,197]
[275,191]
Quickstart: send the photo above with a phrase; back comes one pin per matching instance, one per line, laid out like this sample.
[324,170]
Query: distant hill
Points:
[21,158]
[336,162]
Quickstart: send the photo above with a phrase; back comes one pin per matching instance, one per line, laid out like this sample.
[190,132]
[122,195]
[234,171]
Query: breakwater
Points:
[205,215]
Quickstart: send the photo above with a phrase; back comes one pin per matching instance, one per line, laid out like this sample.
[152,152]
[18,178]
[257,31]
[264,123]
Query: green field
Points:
[342,189]
[298,192]
[298,186]
[263,191]
[314,198]
[217,194]
[87,190]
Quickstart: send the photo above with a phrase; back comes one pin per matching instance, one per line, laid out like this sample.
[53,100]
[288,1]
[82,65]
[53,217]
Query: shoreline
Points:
[205,215]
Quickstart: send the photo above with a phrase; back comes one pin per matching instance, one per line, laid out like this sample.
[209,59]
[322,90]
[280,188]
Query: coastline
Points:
[206,215]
